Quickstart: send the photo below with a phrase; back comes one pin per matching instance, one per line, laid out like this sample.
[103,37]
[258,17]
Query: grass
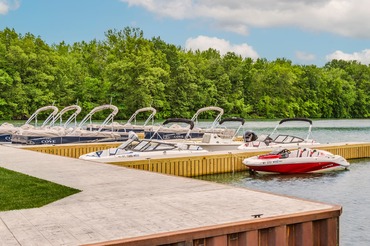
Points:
[20,191]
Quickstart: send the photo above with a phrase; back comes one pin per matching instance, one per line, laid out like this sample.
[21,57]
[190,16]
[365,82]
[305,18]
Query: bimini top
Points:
[179,120]
[98,109]
[295,119]
[232,119]
[210,108]
[48,119]
[73,116]
[151,116]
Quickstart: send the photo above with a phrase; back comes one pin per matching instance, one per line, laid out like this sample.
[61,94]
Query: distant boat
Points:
[178,132]
[300,160]
[222,137]
[131,124]
[7,130]
[82,134]
[56,125]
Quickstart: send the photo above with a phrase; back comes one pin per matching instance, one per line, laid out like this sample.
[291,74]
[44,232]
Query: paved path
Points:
[117,202]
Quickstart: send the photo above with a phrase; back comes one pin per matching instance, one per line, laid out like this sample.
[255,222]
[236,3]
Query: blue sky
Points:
[303,31]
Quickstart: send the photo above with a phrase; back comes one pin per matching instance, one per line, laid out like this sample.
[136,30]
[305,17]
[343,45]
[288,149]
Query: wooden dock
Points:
[194,165]
[125,206]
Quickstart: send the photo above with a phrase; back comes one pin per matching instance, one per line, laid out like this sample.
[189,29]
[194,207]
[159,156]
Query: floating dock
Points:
[196,164]
[125,206]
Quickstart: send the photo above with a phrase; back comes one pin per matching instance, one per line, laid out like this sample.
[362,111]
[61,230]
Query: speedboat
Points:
[300,160]
[7,130]
[177,131]
[135,147]
[276,139]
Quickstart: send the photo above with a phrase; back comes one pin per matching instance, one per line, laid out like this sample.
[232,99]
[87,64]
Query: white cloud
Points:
[343,17]
[223,46]
[304,56]
[174,9]
[7,5]
[363,56]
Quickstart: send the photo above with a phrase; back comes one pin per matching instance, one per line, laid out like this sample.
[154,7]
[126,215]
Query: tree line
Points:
[132,72]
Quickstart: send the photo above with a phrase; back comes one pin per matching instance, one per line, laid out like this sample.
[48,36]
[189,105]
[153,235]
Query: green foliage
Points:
[132,72]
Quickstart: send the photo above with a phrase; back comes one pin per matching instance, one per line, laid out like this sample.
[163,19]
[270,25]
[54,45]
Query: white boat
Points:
[131,124]
[82,134]
[141,148]
[227,140]
[55,127]
[179,132]
[7,130]
[299,160]
[134,147]
[276,139]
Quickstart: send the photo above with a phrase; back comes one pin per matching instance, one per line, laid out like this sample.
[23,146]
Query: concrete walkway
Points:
[117,202]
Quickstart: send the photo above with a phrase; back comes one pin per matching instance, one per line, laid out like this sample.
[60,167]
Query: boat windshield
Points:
[127,144]
[152,146]
[278,151]
[287,139]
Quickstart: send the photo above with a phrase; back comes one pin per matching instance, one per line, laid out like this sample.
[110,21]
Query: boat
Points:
[276,139]
[148,148]
[179,132]
[228,140]
[131,124]
[55,127]
[7,130]
[82,133]
[298,160]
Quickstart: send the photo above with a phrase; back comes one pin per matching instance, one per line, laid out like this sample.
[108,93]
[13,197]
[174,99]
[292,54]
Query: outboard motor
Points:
[249,136]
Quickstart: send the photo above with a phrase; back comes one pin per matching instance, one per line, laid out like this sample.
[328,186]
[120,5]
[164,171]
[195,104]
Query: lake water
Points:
[349,189]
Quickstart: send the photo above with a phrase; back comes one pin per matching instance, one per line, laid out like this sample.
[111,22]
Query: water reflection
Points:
[246,178]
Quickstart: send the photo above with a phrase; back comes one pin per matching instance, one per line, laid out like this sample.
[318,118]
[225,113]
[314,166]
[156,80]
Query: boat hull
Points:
[5,138]
[298,161]
[41,140]
[290,168]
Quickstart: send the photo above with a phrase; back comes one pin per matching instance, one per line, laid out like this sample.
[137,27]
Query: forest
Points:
[131,72]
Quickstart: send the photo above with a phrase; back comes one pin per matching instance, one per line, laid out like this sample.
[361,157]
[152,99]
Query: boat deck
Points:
[118,203]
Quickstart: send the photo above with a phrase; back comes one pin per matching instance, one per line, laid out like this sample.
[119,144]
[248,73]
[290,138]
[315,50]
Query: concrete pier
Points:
[123,206]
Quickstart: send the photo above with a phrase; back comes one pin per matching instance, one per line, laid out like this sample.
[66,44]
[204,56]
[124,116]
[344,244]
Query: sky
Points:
[303,31]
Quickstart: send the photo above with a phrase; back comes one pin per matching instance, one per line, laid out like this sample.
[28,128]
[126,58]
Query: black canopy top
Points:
[296,119]
[179,120]
[233,119]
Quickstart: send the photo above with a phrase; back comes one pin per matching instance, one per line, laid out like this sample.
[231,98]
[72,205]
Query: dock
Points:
[127,206]
[196,164]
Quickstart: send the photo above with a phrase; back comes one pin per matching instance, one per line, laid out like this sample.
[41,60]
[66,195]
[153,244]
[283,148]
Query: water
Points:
[349,189]
[323,131]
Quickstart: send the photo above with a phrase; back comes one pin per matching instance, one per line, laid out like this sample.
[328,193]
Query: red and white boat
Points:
[300,160]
